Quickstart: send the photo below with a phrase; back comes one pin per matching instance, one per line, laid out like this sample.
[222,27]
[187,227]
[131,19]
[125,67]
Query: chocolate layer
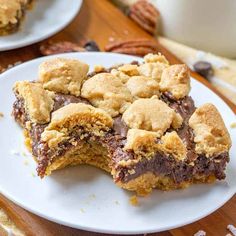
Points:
[160,164]
[167,166]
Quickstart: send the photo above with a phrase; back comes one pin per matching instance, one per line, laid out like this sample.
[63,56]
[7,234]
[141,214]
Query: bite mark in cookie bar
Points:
[123,122]
[65,119]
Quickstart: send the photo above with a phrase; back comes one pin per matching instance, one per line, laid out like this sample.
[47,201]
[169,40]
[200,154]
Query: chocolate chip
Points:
[204,68]
[91,46]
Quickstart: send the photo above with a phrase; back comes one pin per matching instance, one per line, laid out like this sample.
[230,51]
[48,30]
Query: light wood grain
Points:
[99,20]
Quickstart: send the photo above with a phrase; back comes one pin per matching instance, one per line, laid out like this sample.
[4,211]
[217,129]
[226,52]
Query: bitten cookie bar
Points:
[11,15]
[135,121]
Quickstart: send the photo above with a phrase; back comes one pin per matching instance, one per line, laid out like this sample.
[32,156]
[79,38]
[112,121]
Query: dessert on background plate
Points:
[135,121]
[12,14]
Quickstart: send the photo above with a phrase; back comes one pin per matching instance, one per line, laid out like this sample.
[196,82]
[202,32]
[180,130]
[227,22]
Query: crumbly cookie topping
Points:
[211,135]
[38,102]
[121,75]
[9,11]
[172,144]
[143,87]
[153,70]
[138,140]
[129,69]
[152,58]
[107,92]
[176,80]
[63,75]
[151,114]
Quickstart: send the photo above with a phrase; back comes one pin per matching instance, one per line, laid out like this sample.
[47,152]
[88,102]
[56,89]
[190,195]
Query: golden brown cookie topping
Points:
[138,140]
[151,114]
[99,68]
[121,75]
[153,58]
[211,135]
[107,92]
[68,117]
[9,10]
[172,144]
[142,87]
[176,80]
[38,102]
[129,69]
[153,70]
[63,75]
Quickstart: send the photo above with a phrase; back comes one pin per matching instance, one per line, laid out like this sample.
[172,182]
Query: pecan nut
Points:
[2,69]
[137,47]
[50,48]
[145,15]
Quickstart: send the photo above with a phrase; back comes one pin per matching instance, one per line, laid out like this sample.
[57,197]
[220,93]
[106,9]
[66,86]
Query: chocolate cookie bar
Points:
[135,121]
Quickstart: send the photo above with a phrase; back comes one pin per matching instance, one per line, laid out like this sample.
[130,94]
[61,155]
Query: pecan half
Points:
[145,15]
[2,69]
[137,47]
[50,48]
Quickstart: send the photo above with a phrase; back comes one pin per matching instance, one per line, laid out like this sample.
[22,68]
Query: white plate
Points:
[42,21]
[85,197]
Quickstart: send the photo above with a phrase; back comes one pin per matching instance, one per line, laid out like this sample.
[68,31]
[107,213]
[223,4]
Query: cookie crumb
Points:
[98,68]
[233,125]
[134,200]
[82,210]
[26,163]
[24,154]
[232,229]
[92,196]
[1,115]
[200,233]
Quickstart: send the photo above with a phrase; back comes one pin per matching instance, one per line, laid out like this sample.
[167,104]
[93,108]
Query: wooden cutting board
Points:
[100,20]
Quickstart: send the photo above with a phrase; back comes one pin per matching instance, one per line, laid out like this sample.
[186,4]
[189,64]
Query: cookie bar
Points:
[135,121]
[11,14]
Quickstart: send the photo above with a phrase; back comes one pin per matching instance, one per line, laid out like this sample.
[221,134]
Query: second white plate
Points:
[42,21]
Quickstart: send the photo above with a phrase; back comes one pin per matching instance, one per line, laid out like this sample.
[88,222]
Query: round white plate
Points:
[46,18]
[85,197]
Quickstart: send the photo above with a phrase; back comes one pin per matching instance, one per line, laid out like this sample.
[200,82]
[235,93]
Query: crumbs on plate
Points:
[233,125]
[82,210]
[134,200]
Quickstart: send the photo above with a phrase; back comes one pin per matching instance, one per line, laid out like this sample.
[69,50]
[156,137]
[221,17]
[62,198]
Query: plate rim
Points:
[48,35]
[102,230]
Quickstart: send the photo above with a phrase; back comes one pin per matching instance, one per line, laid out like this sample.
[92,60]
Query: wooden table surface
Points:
[100,20]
